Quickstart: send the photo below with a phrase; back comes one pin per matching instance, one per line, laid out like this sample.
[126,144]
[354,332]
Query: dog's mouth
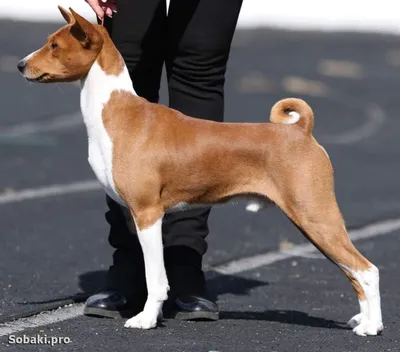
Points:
[42,78]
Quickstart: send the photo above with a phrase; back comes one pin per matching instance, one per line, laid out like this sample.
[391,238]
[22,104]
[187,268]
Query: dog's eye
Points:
[54,45]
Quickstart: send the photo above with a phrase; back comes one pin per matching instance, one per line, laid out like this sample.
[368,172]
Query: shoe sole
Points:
[114,314]
[201,315]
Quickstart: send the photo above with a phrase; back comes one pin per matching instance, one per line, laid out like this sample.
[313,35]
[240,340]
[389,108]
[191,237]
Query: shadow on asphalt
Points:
[291,317]
[93,281]
[90,283]
[219,284]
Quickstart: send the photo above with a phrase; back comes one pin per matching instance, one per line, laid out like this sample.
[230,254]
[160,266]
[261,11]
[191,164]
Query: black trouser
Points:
[194,43]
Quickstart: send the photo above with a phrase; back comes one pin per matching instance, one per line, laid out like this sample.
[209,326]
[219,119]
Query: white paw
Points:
[143,320]
[367,327]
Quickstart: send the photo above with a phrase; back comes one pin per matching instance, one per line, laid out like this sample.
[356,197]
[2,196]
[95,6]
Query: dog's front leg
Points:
[148,224]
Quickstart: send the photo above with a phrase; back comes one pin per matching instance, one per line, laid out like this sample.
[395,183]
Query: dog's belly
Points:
[253,204]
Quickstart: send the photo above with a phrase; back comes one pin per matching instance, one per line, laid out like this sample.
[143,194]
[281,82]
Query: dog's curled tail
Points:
[293,111]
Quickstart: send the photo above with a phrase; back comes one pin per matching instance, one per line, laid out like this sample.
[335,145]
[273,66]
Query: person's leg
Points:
[138,31]
[200,33]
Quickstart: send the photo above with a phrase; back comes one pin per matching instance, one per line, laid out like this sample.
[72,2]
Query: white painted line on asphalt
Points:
[48,191]
[375,118]
[340,68]
[234,267]
[300,85]
[41,319]
[57,123]
[8,63]
[245,264]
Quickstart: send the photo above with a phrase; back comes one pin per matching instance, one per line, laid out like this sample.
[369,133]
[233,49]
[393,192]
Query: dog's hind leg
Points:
[311,204]
[329,235]
[148,224]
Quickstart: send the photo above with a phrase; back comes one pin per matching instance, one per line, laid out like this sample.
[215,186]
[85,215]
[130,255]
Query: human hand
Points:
[103,7]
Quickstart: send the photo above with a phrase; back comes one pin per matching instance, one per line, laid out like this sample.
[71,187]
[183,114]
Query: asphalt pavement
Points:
[54,249]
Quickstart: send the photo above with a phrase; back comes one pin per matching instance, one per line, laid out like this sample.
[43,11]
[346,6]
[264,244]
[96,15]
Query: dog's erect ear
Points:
[67,16]
[84,31]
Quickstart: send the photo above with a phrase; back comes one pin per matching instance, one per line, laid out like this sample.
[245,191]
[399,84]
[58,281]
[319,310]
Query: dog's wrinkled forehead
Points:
[63,38]
[64,34]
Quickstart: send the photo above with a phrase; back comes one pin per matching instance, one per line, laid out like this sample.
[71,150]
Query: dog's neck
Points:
[107,74]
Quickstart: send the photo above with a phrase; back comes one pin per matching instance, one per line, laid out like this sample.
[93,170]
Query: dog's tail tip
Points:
[292,111]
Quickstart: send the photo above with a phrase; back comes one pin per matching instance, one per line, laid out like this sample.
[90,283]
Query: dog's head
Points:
[67,55]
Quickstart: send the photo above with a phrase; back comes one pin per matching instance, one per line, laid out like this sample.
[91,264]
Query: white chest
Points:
[95,93]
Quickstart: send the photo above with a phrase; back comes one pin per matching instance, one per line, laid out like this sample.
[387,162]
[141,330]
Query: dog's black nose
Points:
[21,65]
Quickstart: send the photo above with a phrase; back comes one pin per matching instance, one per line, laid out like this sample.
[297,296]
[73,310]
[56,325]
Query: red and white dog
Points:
[152,159]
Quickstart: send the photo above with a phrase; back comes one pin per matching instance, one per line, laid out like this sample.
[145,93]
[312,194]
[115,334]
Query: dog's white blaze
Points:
[96,89]
[26,58]
[156,279]
[294,118]
[369,321]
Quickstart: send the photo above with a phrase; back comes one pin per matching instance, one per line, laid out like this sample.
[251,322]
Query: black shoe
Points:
[109,304]
[188,298]
[191,307]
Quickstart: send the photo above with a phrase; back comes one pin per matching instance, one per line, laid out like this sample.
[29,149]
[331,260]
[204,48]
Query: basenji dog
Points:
[152,159]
